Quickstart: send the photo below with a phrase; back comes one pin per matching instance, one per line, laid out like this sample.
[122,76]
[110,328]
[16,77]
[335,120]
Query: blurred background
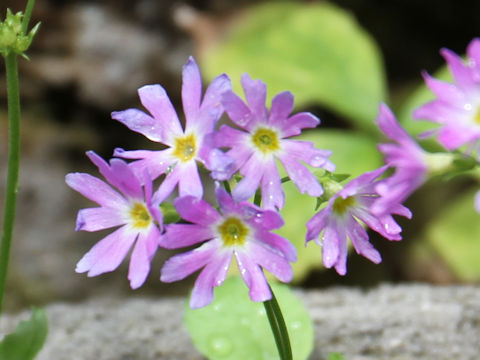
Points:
[340,58]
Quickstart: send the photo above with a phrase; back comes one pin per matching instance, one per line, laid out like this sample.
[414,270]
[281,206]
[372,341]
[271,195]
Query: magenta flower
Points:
[130,207]
[185,147]
[239,229]
[408,159]
[339,220]
[255,150]
[457,106]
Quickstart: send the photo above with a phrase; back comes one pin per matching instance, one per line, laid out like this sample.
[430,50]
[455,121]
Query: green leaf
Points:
[316,51]
[335,356]
[455,235]
[234,327]
[352,154]
[27,339]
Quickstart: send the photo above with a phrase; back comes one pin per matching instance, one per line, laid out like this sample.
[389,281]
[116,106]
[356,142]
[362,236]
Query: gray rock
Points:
[388,322]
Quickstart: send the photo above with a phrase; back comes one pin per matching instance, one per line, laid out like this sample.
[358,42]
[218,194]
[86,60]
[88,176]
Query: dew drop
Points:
[220,346]
[317,161]
[468,107]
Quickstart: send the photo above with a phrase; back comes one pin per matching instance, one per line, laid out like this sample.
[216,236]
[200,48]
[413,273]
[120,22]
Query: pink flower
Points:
[239,229]
[130,208]
[339,220]
[457,106]
[264,140]
[185,147]
[408,159]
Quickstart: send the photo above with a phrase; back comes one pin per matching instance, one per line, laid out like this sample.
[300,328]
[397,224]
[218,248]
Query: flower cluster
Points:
[242,159]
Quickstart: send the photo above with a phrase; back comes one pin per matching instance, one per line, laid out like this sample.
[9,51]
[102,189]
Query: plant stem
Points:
[27,15]
[279,329]
[13,166]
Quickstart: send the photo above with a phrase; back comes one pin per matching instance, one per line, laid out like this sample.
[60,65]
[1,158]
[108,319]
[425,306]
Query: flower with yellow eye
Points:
[185,147]
[130,208]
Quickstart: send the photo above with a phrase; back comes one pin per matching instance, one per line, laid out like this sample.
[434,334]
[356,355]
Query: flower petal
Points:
[196,210]
[294,125]
[136,120]
[251,180]
[94,219]
[273,262]
[108,253]
[273,197]
[96,190]
[359,238]
[331,244]
[183,235]
[189,180]
[253,276]
[303,179]
[256,95]
[278,243]
[191,90]
[282,106]
[141,258]
[461,73]
[317,223]
[237,111]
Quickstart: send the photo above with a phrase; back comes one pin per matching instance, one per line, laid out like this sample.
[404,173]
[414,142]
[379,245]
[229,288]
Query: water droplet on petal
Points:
[317,161]
[467,107]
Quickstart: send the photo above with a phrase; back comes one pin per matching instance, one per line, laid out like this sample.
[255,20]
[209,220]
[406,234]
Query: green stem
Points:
[27,15]
[279,329]
[13,166]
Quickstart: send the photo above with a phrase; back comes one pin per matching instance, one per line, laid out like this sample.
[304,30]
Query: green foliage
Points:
[27,339]
[317,51]
[335,356]
[352,154]
[13,37]
[233,327]
[455,235]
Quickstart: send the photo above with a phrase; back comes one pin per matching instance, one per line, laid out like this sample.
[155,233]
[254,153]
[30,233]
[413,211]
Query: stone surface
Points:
[388,322]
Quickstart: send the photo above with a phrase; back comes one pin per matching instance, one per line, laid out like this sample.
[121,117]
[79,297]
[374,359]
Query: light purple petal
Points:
[331,244]
[167,186]
[180,266]
[341,264]
[359,238]
[282,106]
[96,190]
[119,175]
[445,91]
[273,197]
[94,219]
[271,261]
[318,222]
[196,210]
[460,72]
[221,166]
[189,180]
[108,253]
[306,152]
[279,243]
[253,276]
[358,185]
[191,90]
[228,137]
[256,95]
[473,53]
[213,95]
[303,179]
[260,218]
[225,201]
[183,235]
[438,112]
[140,122]
[252,175]
[294,125]
[156,101]
[237,111]
[477,201]
[387,122]
[452,136]
[212,275]
[142,254]
[155,163]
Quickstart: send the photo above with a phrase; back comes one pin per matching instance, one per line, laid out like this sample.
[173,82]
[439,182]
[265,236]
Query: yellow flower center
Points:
[266,140]
[340,205]
[185,148]
[476,118]
[233,232]
[140,216]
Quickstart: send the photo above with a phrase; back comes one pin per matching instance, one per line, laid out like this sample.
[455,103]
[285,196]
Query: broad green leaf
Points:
[455,234]
[234,327]
[27,339]
[316,51]
[353,154]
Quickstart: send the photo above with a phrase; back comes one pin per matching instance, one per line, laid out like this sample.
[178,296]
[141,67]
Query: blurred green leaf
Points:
[455,234]
[27,339]
[353,153]
[234,327]
[316,51]
[335,356]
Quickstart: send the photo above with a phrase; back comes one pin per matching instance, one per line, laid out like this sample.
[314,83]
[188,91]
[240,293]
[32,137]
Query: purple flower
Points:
[130,207]
[339,221]
[255,150]
[185,147]
[408,159]
[239,229]
[457,106]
